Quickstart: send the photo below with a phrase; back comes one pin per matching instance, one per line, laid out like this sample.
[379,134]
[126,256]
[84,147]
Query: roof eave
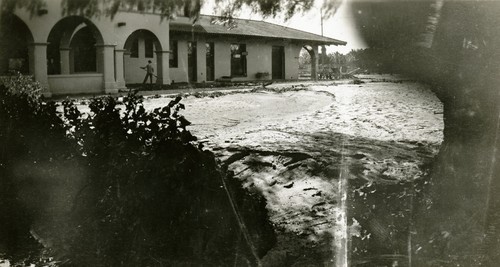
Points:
[324,42]
[318,42]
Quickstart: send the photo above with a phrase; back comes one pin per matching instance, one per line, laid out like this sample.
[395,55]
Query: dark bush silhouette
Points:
[146,194]
[31,134]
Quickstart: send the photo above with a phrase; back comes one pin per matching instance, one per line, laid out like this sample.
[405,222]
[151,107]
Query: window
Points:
[148,47]
[173,54]
[238,60]
[134,50]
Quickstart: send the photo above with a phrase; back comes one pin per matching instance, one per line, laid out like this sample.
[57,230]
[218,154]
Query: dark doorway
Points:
[83,46]
[210,62]
[238,60]
[278,62]
[192,61]
[14,52]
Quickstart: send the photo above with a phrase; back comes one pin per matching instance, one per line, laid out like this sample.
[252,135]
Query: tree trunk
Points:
[457,222]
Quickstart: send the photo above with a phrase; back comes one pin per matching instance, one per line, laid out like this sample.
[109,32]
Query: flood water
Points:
[339,164]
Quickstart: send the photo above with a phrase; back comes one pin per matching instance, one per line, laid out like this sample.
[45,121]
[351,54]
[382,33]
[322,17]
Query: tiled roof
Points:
[251,28]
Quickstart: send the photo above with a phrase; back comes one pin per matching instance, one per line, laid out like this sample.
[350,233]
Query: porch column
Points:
[314,63]
[162,64]
[106,65]
[201,61]
[65,61]
[38,65]
[119,67]
[323,56]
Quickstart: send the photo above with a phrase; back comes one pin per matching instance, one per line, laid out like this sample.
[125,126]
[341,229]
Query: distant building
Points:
[76,54]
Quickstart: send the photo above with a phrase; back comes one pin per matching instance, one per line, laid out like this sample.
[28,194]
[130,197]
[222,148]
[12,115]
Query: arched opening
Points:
[72,47]
[14,45]
[140,48]
[83,51]
[307,63]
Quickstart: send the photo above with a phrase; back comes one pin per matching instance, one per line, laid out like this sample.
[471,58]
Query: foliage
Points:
[372,60]
[391,30]
[147,195]
[304,59]
[460,60]
[147,182]
[170,8]
[22,85]
[31,5]
[32,136]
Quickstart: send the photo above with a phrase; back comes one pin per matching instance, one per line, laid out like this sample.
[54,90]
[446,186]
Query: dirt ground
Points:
[336,161]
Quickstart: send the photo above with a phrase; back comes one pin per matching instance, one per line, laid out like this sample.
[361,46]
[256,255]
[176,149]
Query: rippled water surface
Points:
[339,164]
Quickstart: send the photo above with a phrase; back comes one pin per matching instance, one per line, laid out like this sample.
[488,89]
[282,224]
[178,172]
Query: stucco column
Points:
[162,64]
[38,64]
[119,68]
[201,61]
[314,63]
[106,65]
[323,55]
[65,62]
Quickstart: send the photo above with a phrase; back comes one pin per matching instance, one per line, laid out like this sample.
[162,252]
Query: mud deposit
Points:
[339,164]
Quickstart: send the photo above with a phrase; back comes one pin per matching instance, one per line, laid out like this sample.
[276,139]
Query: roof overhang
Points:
[250,29]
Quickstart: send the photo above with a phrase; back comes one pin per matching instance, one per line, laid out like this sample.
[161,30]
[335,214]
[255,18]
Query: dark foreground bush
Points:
[33,147]
[136,190]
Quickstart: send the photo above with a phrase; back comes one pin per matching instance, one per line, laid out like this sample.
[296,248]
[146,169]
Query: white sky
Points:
[340,26]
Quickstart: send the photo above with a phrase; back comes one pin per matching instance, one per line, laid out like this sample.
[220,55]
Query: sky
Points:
[340,26]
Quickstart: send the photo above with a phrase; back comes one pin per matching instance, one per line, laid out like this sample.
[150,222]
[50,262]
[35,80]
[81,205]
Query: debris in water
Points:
[309,188]
[318,204]
[318,194]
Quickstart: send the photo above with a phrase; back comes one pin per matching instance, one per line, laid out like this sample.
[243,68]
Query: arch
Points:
[72,42]
[142,33]
[311,64]
[83,51]
[14,45]
[140,47]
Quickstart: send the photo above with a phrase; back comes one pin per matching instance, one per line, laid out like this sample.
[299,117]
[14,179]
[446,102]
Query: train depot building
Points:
[101,54]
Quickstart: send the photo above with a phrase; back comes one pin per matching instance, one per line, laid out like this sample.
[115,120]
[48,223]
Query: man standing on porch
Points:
[149,72]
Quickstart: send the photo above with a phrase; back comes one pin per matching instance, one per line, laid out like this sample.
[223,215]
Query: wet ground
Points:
[340,164]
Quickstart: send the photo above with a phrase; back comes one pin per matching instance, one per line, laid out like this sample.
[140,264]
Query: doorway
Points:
[210,62]
[278,63]
[192,72]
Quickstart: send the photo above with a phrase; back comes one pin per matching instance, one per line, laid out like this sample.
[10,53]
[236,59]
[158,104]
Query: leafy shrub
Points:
[22,84]
[147,194]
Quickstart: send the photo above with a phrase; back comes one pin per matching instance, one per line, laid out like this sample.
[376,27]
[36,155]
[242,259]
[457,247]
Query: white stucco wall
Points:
[108,27]
[180,74]
[76,83]
[222,62]
[259,58]
[132,66]
[292,52]
[112,34]
[201,60]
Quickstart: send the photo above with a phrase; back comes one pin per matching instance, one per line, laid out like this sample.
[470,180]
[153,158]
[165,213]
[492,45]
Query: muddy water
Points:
[339,165]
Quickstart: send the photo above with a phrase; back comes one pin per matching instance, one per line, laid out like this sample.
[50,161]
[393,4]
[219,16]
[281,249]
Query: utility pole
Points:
[321,14]
[322,56]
